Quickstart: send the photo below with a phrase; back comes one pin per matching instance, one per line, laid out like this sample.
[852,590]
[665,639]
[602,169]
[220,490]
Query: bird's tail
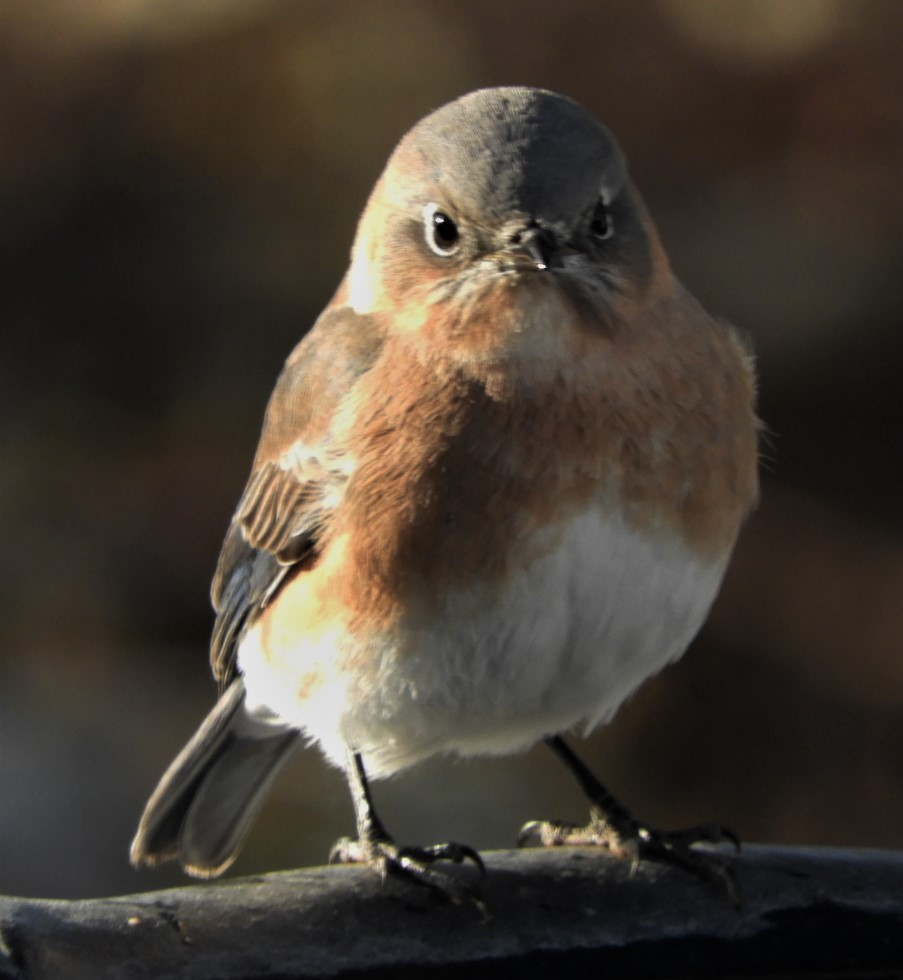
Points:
[207,799]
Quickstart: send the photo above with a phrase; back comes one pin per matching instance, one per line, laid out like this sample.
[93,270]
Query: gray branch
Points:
[806,913]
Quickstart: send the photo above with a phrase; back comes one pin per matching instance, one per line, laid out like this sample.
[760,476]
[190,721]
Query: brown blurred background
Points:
[179,184]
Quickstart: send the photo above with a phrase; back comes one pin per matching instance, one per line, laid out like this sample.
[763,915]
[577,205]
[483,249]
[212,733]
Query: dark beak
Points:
[534,247]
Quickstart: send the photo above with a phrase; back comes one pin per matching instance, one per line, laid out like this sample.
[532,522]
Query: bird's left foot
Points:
[635,841]
[611,825]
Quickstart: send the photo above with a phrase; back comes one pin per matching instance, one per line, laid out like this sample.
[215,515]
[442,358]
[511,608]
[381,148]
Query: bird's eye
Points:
[600,225]
[442,233]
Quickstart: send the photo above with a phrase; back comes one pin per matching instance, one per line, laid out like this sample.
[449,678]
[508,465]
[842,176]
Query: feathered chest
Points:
[455,467]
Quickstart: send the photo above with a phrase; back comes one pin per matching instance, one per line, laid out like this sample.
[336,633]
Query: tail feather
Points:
[207,799]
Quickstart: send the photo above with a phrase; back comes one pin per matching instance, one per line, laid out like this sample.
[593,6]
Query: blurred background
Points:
[179,184]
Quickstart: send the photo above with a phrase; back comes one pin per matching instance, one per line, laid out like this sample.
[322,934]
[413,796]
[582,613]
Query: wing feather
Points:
[297,480]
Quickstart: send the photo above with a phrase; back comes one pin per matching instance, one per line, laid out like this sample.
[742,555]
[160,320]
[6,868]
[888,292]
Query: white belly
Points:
[574,632]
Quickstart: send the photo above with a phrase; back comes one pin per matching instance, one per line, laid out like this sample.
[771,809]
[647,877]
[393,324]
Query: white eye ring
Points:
[441,231]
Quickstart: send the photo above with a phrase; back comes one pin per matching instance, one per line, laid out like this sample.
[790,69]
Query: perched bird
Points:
[497,488]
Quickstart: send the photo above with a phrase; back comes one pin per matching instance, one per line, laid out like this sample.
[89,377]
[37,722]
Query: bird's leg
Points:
[611,825]
[375,846]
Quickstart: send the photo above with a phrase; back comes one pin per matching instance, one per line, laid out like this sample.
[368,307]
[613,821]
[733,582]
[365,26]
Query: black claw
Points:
[339,852]
[709,833]
[413,864]
[679,848]
[450,851]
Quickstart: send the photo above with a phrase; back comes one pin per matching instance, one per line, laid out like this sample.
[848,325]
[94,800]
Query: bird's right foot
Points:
[376,847]
[413,864]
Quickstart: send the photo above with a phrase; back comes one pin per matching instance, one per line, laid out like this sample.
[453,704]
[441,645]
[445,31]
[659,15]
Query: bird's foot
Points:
[412,863]
[633,841]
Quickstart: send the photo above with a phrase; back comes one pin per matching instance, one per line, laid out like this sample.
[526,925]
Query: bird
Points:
[497,488]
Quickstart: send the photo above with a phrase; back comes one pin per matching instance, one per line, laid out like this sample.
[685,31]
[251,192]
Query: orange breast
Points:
[468,435]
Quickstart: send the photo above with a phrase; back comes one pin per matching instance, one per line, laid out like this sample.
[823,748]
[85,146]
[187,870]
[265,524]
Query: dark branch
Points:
[807,913]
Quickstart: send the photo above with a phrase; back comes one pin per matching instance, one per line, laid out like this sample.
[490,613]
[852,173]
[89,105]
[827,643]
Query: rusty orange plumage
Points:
[497,487]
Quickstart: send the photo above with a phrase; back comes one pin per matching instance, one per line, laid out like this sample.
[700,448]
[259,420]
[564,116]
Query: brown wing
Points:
[297,478]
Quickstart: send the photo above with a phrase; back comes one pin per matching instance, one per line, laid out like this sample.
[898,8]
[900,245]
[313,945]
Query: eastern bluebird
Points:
[497,488]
